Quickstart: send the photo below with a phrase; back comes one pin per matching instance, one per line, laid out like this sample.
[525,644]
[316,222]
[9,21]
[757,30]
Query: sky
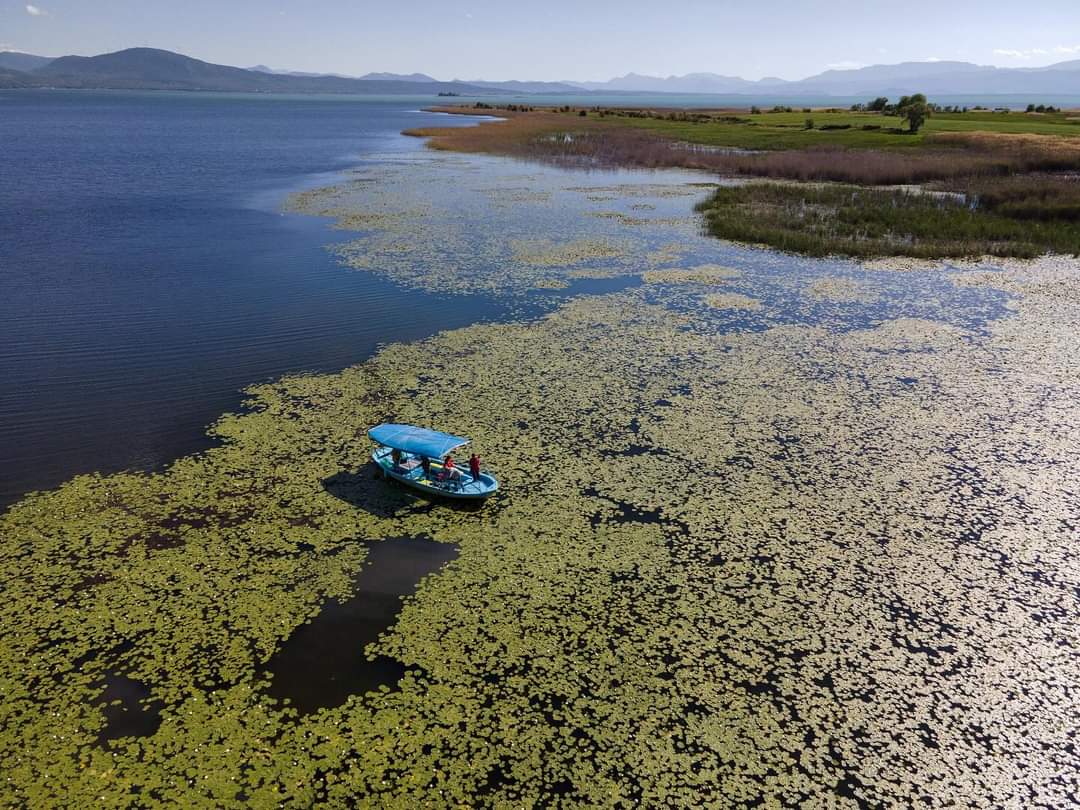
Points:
[582,40]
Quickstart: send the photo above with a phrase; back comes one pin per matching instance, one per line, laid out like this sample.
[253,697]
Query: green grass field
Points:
[787,130]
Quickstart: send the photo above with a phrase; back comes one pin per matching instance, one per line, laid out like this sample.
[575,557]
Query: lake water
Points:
[147,273]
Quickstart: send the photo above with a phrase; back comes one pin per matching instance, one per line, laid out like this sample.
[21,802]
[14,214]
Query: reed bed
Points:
[871,222]
[1007,194]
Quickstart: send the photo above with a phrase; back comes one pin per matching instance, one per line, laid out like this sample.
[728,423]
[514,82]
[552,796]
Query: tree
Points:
[878,104]
[915,110]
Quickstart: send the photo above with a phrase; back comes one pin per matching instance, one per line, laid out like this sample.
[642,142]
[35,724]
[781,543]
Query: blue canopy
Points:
[430,443]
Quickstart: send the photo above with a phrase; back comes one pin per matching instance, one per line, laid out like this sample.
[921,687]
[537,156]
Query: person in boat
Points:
[474,467]
[395,456]
[425,462]
[450,470]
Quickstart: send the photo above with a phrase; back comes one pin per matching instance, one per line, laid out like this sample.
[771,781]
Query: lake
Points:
[794,530]
[147,273]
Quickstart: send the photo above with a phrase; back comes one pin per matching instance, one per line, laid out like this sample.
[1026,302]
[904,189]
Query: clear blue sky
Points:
[556,39]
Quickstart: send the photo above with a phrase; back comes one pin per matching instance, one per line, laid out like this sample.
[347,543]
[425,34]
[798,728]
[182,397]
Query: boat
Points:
[402,451]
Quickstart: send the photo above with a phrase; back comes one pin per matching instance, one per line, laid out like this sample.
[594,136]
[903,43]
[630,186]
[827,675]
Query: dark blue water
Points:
[146,273]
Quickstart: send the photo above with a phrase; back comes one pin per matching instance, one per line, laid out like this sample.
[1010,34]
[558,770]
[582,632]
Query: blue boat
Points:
[414,456]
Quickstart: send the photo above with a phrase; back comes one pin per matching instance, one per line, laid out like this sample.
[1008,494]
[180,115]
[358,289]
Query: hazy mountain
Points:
[12,78]
[510,86]
[945,78]
[935,78]
[690,83]
[399,77]
[515,86]
[15,60]
[1070,65]
[383,77]
[152,69]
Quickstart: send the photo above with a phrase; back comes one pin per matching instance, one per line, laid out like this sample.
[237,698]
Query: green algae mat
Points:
[811,560]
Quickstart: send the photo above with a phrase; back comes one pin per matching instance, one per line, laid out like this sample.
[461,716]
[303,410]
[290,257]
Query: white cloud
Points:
[845,66]
[1028,53]
[931,59]
[36,11]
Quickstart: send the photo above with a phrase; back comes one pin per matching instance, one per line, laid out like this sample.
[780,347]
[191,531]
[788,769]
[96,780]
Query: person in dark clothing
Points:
[425,462]
[474,467]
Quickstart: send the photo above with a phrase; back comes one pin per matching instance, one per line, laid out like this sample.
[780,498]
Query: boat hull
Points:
[461,487]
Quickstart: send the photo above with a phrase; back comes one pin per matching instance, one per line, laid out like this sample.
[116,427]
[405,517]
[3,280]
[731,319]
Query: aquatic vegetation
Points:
[423,227]
[800,564]
[732,301]
[702,274]
[549,253]
[840,290]
[642,222]
[639,190]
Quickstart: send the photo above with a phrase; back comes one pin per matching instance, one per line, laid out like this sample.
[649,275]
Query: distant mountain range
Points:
[152,69]
[13,60]
[510,86]
[148,68]
[934,78]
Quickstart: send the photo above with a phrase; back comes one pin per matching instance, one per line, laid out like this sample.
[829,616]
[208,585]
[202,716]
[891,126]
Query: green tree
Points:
[878,104]
[915,110]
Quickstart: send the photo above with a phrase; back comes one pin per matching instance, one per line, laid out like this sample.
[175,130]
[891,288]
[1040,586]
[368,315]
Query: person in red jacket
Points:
[450,470]
[474,466]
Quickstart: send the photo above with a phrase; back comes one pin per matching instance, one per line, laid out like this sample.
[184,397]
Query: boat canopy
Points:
[424,442]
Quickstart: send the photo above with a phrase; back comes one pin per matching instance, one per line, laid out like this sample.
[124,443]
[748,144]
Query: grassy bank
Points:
[1013,175]
[863,130]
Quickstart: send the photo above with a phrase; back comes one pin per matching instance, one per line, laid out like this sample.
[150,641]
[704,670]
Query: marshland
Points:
[1001,183]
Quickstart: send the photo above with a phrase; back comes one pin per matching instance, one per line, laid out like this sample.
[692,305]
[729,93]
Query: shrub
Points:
[915,110]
